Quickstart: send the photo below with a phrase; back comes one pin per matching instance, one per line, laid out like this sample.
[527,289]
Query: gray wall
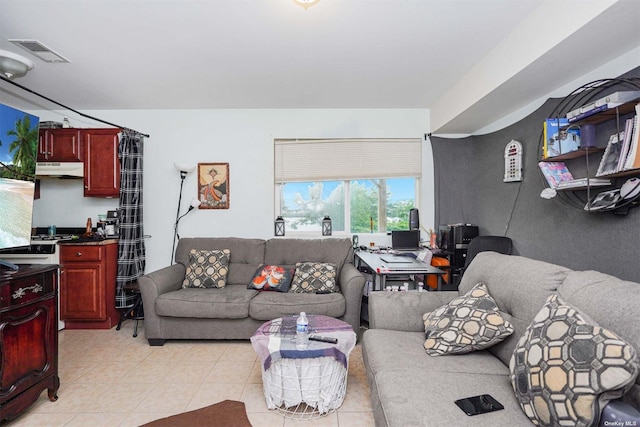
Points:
[469,189]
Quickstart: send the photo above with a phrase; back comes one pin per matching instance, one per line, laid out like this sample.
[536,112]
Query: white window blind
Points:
[304,160]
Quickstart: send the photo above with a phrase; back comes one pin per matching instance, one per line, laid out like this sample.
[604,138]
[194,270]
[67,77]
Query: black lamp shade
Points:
[326,226]
[279,226]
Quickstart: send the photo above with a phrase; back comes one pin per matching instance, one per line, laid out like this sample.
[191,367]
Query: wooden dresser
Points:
[28,337]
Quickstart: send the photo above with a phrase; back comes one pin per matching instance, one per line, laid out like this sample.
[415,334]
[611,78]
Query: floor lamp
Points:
[184,170]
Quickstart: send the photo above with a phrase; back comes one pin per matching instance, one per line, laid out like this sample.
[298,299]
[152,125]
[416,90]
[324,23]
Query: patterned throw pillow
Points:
[207,269]
[566,368]
[272,278]
[470,322]
[314,277]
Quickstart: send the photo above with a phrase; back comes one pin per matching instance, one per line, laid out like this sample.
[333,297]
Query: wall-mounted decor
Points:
[213,185]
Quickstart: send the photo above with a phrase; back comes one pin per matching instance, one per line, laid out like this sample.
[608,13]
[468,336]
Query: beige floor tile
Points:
[253,398]
[189,372]
[357,398]
[266,419]
[167,397]
[123,397]
[149,371]
[239,351]
[97,419]
[230,372]
[136,419]
[32,419]
[255,377]
[71,398]
[205,351]
[209,393]
[355,419]
[329,420]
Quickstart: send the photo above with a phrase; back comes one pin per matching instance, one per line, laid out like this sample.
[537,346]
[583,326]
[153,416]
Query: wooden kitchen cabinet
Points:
[60,145]
[101,162]
[88,285]
[28,337]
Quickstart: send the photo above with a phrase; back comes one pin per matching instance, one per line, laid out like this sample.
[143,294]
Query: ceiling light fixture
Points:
[306,3]
[13,65]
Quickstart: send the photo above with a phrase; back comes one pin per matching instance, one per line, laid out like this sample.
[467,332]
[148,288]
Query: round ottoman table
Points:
[304,379]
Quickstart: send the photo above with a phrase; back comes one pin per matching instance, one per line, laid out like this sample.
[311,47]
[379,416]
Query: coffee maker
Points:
[112,223]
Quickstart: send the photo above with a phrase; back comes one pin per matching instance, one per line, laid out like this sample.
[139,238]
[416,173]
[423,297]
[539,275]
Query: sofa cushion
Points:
[519,285]
[312,277]
[425,397]
[395,350]
[230,302]
[272,278]
[207,269]
[271,305]
[246,254]
[288,252]
[566,368]
[470,322]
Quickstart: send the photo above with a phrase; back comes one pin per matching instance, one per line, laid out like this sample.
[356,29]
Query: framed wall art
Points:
[213,185]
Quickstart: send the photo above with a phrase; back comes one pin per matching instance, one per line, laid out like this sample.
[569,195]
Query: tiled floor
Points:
[110,379]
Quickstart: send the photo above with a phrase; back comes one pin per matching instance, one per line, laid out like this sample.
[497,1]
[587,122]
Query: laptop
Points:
[405,240]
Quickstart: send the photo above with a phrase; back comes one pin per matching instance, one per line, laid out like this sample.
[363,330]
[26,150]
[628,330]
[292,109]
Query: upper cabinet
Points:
[101,163]
[60,145]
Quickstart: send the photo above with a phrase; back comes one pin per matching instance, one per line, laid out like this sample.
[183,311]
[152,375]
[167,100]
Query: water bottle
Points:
[302,329]
[302,324]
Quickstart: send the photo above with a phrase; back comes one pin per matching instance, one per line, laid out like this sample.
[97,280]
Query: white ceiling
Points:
[185,54]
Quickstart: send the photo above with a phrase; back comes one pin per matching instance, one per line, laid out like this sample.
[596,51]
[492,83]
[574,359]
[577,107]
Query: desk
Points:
[382,269]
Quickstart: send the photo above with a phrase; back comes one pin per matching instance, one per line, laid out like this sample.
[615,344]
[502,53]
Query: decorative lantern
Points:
[326,226]
[279,226]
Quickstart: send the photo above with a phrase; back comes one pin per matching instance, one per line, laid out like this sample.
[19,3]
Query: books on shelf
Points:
[584,182]
[605,103]
[632,157]
[559,177]
[555,173]
[558,139]
[611,156]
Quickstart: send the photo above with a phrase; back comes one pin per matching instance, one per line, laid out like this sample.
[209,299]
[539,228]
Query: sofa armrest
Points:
[402,311]
[153,285]
[351,285]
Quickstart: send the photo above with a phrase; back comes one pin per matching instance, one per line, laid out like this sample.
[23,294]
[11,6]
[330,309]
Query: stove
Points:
[42,250]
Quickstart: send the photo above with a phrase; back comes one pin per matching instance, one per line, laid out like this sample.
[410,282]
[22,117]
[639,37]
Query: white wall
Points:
[244,138]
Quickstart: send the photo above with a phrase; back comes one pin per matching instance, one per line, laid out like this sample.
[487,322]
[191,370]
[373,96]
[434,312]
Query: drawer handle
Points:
[20,292]
[78,253]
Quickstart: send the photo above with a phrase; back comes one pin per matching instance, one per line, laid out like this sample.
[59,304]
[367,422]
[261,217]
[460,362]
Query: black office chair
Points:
[499,244]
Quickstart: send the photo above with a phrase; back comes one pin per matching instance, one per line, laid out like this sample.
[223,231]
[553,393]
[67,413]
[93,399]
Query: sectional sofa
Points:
[234,311]
[411,388]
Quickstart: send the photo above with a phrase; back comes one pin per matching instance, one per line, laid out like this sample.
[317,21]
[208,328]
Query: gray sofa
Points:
[235,312]
[411,388]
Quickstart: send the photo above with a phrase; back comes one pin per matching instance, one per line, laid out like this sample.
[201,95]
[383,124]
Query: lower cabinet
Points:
[28,337]
[88,283]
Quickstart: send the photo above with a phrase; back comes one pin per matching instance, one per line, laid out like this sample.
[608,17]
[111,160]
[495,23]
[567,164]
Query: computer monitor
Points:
[405,239]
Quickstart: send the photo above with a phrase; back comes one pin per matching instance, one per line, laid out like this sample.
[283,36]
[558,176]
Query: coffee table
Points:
[309,379]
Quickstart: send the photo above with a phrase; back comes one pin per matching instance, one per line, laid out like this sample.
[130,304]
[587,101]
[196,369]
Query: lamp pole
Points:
[184,170]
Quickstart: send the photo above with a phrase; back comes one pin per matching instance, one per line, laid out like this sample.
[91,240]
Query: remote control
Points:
[323,339]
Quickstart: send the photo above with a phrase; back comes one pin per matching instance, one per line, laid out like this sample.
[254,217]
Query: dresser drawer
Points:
[25,290]
[79,253]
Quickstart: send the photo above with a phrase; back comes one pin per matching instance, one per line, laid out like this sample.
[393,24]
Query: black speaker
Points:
[414,219]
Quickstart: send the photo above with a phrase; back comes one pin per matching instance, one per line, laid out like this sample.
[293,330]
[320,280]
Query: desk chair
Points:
[499,244]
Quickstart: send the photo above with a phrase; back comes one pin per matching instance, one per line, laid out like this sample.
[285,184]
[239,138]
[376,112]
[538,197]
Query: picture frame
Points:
[213,185]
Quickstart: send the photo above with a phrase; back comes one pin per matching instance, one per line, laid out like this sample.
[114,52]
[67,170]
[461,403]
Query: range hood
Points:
[60,169]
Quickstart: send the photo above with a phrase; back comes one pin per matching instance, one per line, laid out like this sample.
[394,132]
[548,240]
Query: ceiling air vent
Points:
[38,49]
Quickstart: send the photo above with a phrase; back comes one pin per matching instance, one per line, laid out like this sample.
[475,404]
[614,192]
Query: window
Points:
[363,185]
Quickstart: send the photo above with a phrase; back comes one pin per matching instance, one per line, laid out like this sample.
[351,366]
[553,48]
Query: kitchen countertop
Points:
[88,242]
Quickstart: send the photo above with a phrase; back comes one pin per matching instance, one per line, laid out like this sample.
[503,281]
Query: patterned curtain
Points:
[131,250]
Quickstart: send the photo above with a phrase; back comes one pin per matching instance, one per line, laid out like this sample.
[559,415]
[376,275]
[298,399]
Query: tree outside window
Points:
[304,204]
